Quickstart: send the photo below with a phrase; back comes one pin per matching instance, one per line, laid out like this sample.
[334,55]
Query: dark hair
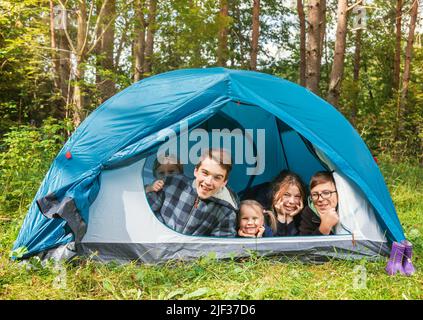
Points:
[321,177]
[171,159]
[285,179]
[221,156]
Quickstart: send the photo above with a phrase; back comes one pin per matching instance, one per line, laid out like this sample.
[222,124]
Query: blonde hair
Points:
[265,213]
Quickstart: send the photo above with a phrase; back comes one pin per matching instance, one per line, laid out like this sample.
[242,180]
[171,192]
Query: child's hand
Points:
[158,185]
[329,219]
[155,187]
[260,232]
[297,210]
[287,217]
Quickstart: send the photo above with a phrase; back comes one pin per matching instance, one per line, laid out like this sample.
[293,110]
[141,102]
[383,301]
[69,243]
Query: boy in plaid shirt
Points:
[203,206]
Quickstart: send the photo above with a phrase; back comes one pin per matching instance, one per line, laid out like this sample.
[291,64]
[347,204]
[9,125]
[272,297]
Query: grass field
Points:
[208,278]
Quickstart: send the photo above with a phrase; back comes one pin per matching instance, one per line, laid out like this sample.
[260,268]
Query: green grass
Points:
[208,278]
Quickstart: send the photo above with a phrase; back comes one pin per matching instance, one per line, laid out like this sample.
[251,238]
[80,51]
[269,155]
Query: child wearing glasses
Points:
[320,216]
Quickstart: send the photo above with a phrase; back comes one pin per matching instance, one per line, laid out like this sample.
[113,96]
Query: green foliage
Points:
[25,83]
[187,33]
[27,154]
[383,126]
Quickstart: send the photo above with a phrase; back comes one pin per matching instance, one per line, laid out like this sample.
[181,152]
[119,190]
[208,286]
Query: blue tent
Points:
[303,133]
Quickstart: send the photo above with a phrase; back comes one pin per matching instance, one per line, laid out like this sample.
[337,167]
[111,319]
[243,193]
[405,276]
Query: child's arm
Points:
[155,187]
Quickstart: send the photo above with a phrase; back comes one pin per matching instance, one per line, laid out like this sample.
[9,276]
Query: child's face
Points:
[167,169]
[291,199]
[324,204]
[251,219]
[210,177]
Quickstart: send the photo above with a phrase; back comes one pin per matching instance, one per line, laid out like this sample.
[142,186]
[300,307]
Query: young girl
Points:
[288,202]
[251,220]
[163,167]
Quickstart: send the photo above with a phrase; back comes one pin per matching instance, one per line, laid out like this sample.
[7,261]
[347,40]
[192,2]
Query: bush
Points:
[27,153]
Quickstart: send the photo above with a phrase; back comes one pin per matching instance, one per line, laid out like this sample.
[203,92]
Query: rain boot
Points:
[406,262]
[395,260]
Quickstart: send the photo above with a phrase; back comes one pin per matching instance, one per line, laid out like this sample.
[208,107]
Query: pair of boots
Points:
[400,259]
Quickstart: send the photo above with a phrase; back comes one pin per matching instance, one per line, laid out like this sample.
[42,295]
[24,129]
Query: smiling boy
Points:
[320,217]
[204,206]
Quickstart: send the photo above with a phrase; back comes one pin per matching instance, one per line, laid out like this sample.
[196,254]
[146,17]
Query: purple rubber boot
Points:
[406,262]
[395,260]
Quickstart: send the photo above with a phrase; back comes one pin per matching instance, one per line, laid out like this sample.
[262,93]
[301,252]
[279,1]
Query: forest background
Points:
[60,59]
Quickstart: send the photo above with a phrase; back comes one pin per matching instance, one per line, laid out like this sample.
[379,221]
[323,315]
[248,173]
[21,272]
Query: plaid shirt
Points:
[178,206]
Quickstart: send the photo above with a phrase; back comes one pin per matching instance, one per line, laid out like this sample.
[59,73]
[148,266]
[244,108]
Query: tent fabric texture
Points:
[92,200]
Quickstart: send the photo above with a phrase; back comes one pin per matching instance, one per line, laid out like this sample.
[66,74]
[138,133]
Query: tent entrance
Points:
[123,227]
[261,146]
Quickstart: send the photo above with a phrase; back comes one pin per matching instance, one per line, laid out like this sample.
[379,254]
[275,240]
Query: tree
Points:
[80,52]
[313,59]
[322,26]
[301,16]
[397,59]
[139,42]
[338,61]
[60,57]
[356,76]
[407,68]
[149,46]
[85,45]
[106,31]
[222,49]
[255,34]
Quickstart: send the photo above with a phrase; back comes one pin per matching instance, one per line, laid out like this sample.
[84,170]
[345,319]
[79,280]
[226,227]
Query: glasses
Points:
[326,194]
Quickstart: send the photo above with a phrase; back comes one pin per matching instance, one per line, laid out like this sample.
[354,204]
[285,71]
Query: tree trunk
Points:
[106,85]
[313,46]
[301,16]
[139,45]
[148,58]
[322,27]
[407,69]
[81,48]
[61,58]
[54,49]
[255,34]
[65,72]
[222,49]
[337,71]
[397,59]
[356,75]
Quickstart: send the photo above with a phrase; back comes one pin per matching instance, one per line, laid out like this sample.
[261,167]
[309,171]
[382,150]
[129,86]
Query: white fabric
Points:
[121,214]
[355,212]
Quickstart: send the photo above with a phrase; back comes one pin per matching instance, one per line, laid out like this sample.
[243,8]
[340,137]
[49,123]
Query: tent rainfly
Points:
[92,199]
